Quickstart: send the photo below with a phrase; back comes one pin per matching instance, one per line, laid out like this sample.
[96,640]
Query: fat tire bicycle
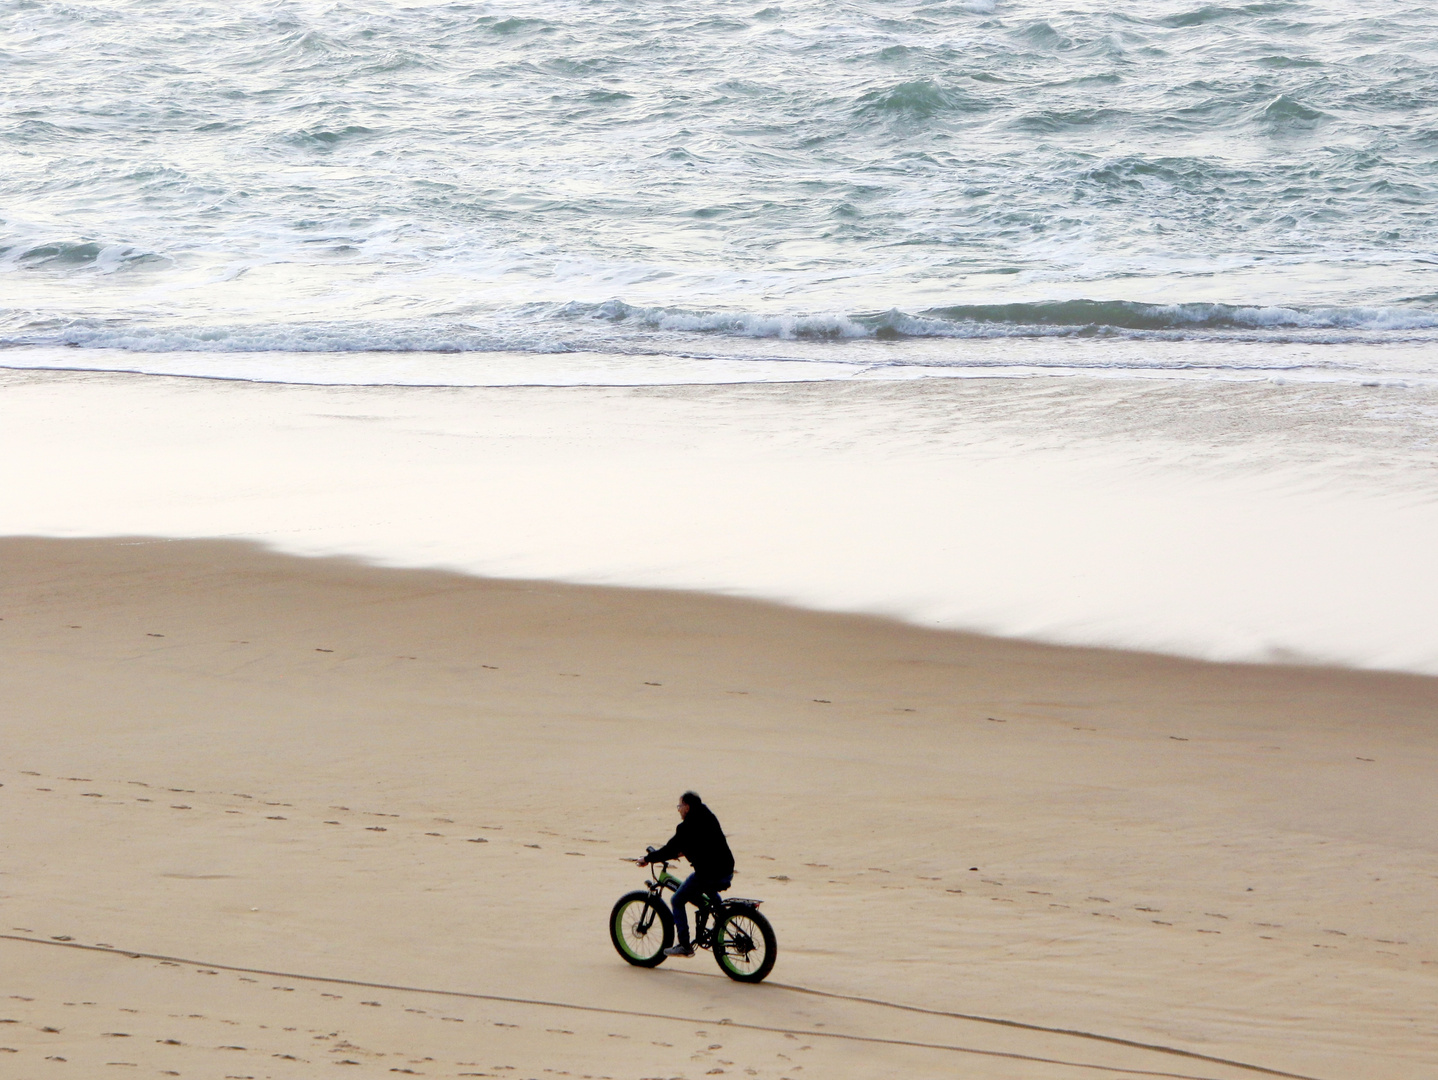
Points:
[642,927]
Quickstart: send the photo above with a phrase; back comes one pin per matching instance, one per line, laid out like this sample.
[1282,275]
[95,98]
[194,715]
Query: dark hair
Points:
[691,799]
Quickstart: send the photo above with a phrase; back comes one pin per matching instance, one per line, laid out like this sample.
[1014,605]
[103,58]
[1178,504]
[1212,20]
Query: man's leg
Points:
[688,893]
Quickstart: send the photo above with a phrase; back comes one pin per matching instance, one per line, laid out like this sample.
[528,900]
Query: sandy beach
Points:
[987,449]
[265,815]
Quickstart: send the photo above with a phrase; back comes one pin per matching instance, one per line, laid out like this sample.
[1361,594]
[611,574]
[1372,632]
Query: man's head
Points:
[688,801]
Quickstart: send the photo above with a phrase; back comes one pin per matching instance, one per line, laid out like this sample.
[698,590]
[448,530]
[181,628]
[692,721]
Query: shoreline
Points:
[1166,848]
[1227,523]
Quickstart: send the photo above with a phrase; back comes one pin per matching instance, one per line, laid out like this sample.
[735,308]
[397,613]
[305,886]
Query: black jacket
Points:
[700,840]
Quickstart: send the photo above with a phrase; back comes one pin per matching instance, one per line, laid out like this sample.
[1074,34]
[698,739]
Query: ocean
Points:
[896,187]
[640,194]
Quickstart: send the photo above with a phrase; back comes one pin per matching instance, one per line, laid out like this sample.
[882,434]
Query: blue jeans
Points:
[689,893]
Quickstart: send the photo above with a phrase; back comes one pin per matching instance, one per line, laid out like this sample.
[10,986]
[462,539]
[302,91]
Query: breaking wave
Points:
[619,327]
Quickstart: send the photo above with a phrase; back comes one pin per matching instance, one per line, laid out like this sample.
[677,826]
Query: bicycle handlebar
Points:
[663,864]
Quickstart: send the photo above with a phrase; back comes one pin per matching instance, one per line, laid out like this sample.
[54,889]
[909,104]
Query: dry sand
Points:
[256,764]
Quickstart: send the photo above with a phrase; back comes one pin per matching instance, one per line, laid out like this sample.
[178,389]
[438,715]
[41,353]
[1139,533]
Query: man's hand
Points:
[641,862]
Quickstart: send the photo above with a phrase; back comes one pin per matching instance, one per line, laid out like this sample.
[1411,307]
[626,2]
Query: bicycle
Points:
[642,927]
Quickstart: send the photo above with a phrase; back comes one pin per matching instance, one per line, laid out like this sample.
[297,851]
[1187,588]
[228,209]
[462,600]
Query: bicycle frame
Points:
[660,880]
[642,928]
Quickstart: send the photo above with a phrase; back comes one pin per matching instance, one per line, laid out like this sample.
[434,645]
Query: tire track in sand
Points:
[669,1017]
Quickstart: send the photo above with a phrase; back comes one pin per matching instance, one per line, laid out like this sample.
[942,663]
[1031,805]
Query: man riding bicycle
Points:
[700,840]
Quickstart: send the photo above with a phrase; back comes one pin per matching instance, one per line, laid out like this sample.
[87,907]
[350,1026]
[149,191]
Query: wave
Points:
[617,326]
[1044,318]
[430,337]
[73,255]
[1132,315]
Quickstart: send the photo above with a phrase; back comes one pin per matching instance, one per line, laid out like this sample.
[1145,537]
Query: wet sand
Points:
[1222,521]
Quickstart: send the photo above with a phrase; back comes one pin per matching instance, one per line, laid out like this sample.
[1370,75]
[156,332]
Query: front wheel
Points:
[641,928]
[744,945]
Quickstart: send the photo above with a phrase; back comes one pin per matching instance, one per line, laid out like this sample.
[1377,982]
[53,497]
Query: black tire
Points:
[744,944]
[636,912]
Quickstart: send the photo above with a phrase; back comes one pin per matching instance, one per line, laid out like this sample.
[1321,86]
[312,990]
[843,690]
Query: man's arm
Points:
[668,852]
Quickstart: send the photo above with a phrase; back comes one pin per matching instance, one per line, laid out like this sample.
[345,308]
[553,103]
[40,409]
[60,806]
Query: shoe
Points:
[679,950]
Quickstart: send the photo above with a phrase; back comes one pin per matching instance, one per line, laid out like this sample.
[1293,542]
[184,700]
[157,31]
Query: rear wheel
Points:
[744,944]
[641,928]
